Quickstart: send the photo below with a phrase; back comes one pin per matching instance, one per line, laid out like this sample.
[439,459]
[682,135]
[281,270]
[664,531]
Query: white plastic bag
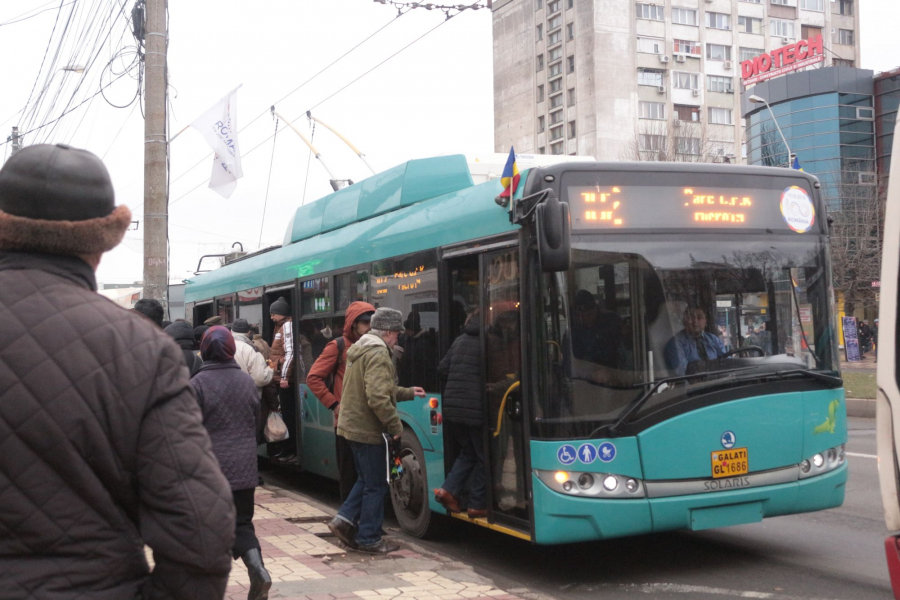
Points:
[276,430]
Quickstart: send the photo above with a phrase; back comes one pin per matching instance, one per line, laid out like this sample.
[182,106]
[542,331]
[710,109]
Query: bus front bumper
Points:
[563,519]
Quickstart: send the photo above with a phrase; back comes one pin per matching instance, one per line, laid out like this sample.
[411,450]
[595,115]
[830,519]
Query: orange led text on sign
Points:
[719,217]
[603,215]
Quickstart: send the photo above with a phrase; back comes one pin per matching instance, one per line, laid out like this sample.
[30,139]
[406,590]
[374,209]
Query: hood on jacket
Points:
[353,312]
[472,327]
[183,333]
[365,344]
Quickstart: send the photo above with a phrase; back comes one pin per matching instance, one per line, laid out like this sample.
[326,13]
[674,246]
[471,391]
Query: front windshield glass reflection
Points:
[631,312]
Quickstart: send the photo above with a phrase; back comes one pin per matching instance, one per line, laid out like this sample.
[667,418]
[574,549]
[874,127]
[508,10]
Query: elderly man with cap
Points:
[104,448]
[368,411]
[282,360]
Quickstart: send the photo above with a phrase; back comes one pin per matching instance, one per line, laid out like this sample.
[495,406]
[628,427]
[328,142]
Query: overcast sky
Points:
[434,98]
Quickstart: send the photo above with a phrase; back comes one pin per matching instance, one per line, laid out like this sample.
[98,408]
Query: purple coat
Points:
[230,406]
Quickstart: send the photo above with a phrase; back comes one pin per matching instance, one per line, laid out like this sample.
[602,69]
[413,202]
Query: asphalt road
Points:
[835,555]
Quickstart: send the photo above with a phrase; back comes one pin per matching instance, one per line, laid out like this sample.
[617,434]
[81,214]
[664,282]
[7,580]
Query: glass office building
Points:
[827,117]
[887,101]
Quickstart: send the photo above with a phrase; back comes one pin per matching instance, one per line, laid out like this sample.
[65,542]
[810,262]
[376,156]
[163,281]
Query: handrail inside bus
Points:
[503,405]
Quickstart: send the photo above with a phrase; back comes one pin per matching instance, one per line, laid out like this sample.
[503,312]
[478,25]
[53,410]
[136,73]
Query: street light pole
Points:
[757,99]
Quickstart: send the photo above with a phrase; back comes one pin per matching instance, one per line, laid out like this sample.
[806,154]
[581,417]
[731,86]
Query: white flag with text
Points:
[219,126]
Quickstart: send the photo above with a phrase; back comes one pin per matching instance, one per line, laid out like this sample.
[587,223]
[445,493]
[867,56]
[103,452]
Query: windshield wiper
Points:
[823,377]
[638,402]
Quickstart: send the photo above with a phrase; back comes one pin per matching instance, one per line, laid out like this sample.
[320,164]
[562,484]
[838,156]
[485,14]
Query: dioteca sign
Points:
[783,60]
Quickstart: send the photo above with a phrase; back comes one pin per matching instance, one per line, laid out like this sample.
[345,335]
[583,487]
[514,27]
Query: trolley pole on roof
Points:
[156,148]
[343,139]
[334,180]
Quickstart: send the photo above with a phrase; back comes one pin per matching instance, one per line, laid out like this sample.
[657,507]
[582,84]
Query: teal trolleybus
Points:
[658,339]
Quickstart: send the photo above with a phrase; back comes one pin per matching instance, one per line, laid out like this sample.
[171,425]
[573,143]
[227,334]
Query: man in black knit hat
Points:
[104,449]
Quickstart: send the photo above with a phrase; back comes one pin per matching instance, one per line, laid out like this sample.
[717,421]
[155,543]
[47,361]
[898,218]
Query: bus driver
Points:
[693,348]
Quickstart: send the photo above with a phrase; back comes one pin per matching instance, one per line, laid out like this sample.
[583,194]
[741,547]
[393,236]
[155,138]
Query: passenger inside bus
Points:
[693,349]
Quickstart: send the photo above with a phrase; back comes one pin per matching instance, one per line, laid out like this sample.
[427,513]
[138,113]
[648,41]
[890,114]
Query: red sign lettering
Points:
[783,60]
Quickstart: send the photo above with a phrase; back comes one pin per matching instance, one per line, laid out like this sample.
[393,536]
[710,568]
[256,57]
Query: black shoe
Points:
[286,458]
[382,547]
[343,531]
[260,580]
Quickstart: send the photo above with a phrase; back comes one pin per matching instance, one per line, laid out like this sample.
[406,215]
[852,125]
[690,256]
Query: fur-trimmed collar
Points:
[71,238]
[70,267]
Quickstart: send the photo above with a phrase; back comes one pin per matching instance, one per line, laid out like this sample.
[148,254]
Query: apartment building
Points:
[647,79]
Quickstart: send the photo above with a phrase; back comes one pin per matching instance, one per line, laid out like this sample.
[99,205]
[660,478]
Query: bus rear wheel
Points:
[409,496]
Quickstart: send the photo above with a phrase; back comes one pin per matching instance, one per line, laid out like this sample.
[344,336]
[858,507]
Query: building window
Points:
[685,81]
[840,62]
[750,53]
[542,150]
[553,7]
[752,1]
[571,133]
[845,7]
[570,3]
[652,12]
[652,143]
[556,102]
[554,22]
[750,25]
[570,31]
[649,45]
[817,5]
[538,4]
[556,133]
[687,113]
[556,148]
[555,69]
[781,28]
[540,62]
[653,110]
[554,54]
[845,36]
[541,124]
[571,94]
[718,52]
[554,38]
[808,32]
[716,83]
[555,86]
[540,93]
[718,20]
[684,16]
[687,47]
[720,116]
[785,2]
[687,145]
[650,77]
[556,117]
[570,64]
[539,33]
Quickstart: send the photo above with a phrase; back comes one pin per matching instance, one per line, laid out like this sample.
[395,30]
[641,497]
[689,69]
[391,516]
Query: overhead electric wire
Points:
[330,96]
[262,223]
[18,20]
[128,118]
[52,32]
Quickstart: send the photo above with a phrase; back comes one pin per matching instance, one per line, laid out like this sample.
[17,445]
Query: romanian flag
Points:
[796,164]
[510,177]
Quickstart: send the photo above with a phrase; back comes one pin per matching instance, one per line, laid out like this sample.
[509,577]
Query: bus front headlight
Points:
[823,462]
[592,485]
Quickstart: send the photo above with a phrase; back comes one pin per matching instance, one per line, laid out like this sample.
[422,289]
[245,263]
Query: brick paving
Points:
[306,562]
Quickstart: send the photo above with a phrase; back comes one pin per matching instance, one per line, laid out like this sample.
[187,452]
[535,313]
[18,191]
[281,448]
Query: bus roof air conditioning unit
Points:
[680,58]
[661,89]
[663,58]
[696,93]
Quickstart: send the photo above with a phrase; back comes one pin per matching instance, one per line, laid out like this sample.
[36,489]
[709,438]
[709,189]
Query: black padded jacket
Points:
[462,368]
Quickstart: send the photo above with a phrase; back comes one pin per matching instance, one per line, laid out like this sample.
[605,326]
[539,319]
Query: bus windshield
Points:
[673,316]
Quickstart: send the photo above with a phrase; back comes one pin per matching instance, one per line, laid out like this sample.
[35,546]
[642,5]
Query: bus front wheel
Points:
[409,496]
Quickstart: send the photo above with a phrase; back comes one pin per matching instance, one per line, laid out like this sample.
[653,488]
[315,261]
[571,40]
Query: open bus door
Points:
[289,292]
[888,396]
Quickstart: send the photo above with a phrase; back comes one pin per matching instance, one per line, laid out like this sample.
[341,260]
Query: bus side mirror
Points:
[553,234]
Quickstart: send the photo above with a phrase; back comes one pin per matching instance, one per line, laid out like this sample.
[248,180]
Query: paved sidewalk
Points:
[306,562]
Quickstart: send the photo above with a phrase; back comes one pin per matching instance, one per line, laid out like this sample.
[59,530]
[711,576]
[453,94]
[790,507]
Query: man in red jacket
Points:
[330,365]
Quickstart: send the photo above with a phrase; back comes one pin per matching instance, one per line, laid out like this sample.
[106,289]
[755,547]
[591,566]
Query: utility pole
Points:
[156,219]
[16,140]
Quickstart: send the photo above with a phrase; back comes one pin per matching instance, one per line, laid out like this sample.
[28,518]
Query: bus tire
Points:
[409,496]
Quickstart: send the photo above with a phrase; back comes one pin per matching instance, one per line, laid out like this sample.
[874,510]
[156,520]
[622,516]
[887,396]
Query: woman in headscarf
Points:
[230,406]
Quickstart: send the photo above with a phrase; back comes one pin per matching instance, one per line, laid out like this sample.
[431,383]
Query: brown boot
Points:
[477,513]
[447,500]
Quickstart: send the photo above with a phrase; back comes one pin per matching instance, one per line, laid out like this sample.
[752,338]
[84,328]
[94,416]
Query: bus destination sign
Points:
[651,207]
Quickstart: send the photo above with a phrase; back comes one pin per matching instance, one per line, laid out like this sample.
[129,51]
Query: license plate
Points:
[729,463]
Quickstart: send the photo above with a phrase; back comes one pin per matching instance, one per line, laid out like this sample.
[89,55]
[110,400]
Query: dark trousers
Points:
[245,535]
[289,414]
[470,461]
[347,475]
[364,506]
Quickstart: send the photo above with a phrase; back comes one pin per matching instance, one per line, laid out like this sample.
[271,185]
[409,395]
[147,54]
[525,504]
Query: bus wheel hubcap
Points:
[409,491]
